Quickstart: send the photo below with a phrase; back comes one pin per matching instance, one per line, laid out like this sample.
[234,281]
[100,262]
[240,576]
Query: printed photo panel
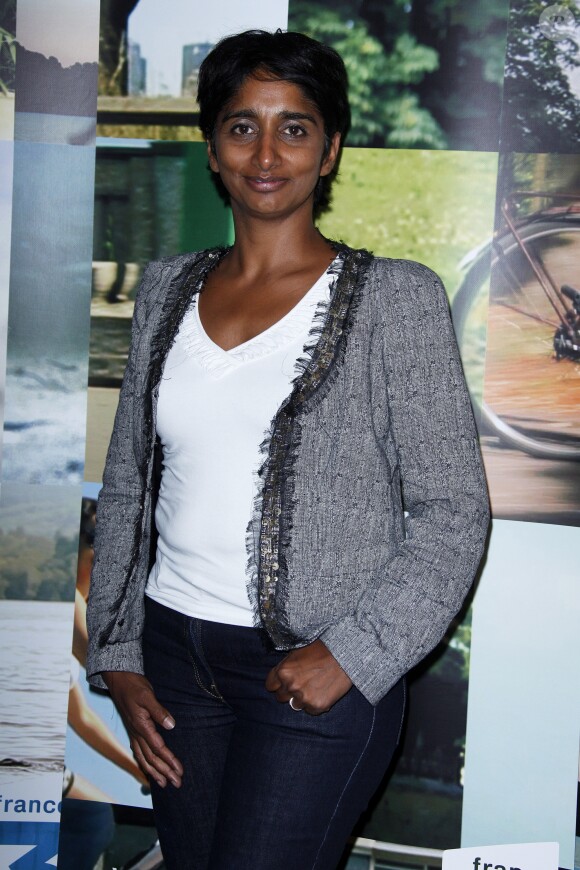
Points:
[521,763]
[421,74]
[541,105]
[38,558]
[152,199]
[56,71]
[433,206]
[48,318]
[530,414]
[420,802]
[150,56]
[99,763]
[100,758]
[7,68]
[6,168]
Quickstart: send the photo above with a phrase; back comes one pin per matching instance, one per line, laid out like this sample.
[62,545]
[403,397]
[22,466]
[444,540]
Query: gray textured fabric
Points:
[392,431]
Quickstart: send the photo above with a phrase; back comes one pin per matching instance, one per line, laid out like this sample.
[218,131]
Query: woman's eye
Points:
[295,130]
[241,129]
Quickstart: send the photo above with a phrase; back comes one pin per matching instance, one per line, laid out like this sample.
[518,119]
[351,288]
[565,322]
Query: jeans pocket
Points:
[203,675]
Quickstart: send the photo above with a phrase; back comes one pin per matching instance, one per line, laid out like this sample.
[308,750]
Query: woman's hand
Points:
[140,710]
[311,676]
[91,728]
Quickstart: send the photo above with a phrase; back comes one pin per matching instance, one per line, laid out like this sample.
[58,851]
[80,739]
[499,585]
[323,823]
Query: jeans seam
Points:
[203,656]
[194,666]
[358,761]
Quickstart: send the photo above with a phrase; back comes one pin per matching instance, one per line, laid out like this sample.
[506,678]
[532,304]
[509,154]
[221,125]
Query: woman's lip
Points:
[265,184]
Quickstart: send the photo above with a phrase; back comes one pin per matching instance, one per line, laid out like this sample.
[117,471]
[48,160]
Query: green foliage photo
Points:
[384,111]
[422,74]
[542,82]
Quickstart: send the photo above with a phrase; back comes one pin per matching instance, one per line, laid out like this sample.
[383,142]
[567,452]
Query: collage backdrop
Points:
[464,154]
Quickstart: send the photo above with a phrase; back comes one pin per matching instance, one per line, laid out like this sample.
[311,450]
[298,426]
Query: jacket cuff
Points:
[362,659]
[114,657]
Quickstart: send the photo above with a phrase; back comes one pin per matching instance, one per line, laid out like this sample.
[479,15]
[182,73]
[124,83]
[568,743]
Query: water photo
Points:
[38,558]
[48,319]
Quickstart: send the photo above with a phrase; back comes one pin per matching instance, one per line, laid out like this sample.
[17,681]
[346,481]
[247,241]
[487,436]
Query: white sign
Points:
[32,798]
[519,856]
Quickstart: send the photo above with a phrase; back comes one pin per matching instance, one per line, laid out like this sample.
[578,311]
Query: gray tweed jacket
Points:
[372,512]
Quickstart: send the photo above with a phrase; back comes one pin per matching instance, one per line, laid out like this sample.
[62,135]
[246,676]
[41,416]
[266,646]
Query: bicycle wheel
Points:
[505,327]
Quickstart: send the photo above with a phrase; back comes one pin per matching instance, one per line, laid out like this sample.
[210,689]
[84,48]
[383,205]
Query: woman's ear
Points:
[211,156]
[330,158]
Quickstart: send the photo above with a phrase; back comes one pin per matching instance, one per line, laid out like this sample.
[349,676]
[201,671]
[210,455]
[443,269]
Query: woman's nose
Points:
[266,151]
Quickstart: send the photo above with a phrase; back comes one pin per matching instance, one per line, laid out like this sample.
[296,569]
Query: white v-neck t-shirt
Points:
[214,409]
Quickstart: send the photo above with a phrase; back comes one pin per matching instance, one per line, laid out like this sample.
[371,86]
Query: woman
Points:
[265,700]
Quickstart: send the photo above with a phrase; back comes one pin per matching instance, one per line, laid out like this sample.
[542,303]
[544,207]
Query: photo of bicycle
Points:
[527,393]
[534,316]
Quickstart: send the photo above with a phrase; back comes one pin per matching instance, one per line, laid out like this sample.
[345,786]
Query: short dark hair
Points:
[315,68]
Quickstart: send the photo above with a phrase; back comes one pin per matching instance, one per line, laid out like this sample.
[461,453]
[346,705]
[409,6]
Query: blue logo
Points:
[28,845]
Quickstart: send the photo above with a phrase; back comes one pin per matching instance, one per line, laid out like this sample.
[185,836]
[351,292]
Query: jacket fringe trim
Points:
[269,532]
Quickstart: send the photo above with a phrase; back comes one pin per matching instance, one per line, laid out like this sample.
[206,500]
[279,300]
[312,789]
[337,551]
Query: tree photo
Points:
[423,74]
[541,111]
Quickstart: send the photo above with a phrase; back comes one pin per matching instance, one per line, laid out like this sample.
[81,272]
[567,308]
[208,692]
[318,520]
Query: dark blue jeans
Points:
[264,787]
[86,829]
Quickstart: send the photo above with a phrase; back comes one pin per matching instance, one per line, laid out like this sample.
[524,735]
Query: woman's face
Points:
[269,149]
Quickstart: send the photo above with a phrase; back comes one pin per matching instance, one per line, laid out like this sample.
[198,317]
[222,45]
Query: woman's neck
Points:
[263,247]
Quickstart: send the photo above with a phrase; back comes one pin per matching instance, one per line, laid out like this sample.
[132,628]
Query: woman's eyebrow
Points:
[298,116]
[284,115]
[239,113]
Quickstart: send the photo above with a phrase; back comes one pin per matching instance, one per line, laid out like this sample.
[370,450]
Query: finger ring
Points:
[297,709]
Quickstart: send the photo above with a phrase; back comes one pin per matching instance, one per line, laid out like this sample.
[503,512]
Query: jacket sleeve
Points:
[406,613]
[120,507]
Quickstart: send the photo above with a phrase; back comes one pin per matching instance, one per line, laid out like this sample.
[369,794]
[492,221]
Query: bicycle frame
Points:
[569,318]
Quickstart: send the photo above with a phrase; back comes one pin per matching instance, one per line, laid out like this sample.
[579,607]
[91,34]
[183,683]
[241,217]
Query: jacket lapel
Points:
[269,531]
